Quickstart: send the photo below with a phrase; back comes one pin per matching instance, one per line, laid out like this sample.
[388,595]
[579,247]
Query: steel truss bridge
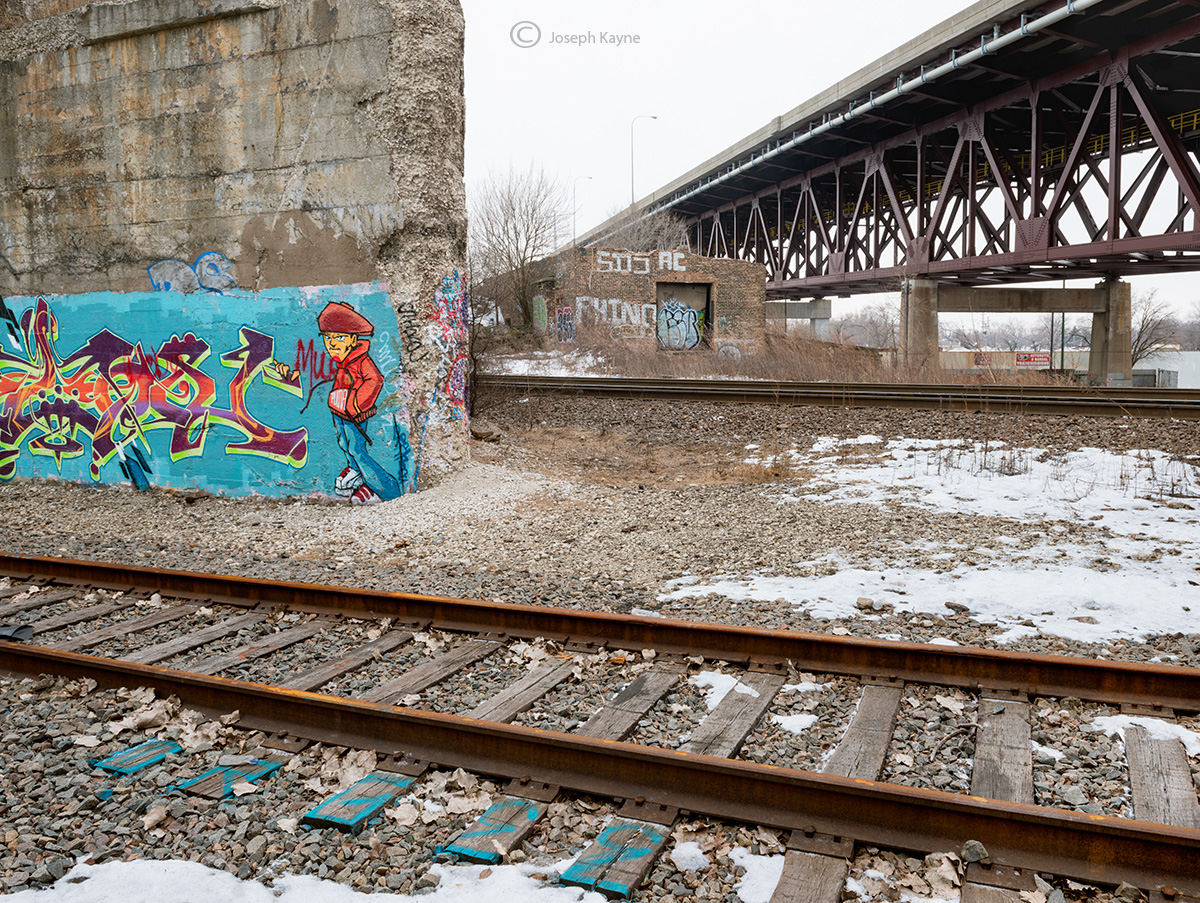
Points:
[1016,142]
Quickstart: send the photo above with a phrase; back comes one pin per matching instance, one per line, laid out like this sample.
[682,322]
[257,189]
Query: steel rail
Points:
[1176,403]
[1092,848]
[1148,685]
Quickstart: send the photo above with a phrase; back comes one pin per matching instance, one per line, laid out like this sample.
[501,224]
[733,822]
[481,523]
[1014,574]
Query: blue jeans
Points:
[353,442]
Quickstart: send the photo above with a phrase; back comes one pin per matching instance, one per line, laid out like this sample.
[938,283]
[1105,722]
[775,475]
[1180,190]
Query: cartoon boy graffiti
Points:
[357,384]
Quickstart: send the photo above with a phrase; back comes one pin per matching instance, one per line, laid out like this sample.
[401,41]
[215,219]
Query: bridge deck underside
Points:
[1072,153]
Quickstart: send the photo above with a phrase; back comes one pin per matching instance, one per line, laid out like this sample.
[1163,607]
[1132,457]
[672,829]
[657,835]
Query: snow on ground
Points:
[147,881]
[761,878]
[717,686]
[1135,577]
[795,724]
[549,363]
[1155,727]
[688,856]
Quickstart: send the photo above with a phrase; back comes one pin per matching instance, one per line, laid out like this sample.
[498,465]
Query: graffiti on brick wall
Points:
[679,327]
[150,388]
[102,399]
[565,325]
[541,316]
[640,264]
[210,273]
[614,312]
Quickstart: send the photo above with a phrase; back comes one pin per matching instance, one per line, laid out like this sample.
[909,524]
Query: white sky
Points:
[711,78]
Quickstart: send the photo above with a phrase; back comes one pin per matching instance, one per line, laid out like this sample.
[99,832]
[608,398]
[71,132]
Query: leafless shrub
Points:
[1154,325]
[515,223]
[658,231]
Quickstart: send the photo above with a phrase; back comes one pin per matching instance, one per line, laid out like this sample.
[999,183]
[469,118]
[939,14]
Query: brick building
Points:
[681,300]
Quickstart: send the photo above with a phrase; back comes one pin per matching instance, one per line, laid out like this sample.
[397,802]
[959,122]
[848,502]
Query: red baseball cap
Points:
[344,319]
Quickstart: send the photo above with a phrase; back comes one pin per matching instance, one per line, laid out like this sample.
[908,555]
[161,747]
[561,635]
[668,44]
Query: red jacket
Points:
[356,385]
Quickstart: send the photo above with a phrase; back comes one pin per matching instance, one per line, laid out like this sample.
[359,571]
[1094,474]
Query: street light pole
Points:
[632,195]
[575,210]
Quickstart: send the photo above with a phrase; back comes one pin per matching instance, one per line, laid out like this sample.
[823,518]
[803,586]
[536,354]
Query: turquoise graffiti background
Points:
[222,421]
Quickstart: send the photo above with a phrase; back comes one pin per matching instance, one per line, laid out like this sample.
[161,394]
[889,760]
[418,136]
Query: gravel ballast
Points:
[588,504]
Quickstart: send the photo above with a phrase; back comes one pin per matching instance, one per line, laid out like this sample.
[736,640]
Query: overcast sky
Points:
[712,72]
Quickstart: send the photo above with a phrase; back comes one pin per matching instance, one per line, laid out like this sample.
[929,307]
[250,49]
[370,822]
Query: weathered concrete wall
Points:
[229,147]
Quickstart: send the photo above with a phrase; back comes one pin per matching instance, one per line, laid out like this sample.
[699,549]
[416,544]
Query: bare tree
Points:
[658,231]
[875,326]
[1154,325]
[515,223]
[1189,329]
[1010,336]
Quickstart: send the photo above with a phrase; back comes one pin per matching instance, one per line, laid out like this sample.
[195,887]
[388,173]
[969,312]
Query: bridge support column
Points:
[1111,360]
[919,324]
[819,312]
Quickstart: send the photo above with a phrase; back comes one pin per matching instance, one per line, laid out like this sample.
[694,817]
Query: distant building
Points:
[678,300]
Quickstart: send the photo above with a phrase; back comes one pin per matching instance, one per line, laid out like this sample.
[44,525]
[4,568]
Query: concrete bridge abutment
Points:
[783,316]
[1109,303]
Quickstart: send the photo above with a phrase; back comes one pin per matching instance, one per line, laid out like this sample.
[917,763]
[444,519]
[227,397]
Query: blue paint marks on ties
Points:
[218,783]
[138,757]
[501,819]
[352,808]
[621,843]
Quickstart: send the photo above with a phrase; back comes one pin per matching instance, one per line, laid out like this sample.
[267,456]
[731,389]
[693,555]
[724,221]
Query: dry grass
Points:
[792,358]
[617,458]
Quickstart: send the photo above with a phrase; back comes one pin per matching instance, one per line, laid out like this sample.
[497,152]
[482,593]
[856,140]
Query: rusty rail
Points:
[1082,400]
[1148,685]
[1092,848]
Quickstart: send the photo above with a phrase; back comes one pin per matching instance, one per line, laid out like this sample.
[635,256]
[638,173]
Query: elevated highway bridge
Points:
[1021,141]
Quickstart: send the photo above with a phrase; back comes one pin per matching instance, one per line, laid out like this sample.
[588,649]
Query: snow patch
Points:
[147,881]
[717,686]
[761,878]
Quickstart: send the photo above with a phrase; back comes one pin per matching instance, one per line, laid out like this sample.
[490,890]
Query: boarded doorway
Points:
[684,315]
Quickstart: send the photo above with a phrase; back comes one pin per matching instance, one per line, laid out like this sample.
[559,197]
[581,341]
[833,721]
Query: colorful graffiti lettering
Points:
[451,317]
[679,326]
[210,273]
[565,323]
[112,392]
[313,363]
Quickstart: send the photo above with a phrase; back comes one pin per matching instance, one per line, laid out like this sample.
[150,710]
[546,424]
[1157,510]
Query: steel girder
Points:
[1086,172]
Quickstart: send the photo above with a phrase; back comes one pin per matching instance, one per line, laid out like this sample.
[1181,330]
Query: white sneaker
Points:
[364,495]
[347,482]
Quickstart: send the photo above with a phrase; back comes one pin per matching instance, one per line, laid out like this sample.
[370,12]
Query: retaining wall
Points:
[207,175]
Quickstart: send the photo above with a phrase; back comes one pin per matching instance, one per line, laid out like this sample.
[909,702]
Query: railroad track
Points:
[210,641]
[1178,403]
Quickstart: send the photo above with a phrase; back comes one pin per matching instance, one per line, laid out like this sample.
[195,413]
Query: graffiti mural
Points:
[614,312]
[679,327]
[541,317]
[106,395]
[565,325]
[357,383]
[210,273]
[106,386]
